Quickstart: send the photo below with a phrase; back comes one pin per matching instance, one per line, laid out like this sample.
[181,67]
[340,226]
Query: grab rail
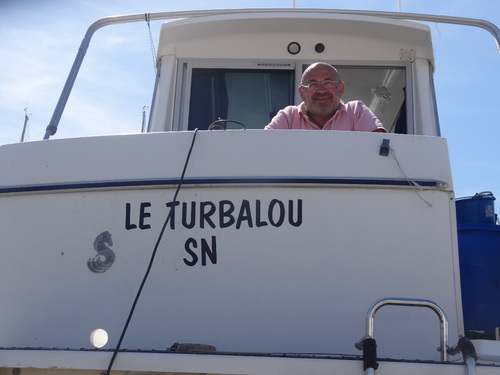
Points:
[63,98]
[370,318]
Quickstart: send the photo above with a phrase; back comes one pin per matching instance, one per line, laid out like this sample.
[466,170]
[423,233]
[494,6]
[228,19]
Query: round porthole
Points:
[293,48]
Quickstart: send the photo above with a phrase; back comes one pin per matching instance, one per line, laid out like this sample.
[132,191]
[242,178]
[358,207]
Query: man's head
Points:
[321,90]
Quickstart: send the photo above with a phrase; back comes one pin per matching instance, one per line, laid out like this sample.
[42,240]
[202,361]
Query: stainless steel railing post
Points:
[370,318]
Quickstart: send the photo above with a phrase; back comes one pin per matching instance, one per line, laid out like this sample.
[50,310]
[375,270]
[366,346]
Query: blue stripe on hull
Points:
[219,181]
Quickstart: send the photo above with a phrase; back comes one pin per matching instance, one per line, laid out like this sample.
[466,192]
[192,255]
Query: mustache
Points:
[322,96]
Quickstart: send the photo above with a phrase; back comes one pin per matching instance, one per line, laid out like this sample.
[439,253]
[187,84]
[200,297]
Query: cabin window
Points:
[249,96]
[383,89]
[253,95]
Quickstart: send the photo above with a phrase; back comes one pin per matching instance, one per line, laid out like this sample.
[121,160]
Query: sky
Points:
[39,40]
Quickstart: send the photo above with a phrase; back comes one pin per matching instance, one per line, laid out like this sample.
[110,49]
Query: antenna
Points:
[143,129]
[26,119]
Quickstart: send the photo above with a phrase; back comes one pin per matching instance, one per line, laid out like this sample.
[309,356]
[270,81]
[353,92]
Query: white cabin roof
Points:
[252,36]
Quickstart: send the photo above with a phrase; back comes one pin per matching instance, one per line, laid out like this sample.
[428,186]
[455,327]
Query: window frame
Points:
[185,68]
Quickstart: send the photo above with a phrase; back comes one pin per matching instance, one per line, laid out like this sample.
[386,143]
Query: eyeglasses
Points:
[327,84]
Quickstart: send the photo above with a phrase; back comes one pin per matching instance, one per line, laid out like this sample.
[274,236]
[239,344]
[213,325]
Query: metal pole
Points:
[26,118]
[143,128]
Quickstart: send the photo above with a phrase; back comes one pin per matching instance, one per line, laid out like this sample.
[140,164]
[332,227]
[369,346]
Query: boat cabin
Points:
[251,73]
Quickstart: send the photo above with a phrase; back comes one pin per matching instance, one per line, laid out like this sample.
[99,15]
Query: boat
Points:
[208,245]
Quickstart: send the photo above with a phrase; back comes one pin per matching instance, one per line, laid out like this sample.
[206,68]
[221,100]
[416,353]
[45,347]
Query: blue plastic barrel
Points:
[477,209]
[479,254]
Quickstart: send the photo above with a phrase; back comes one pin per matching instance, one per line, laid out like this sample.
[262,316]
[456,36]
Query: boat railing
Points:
[368,344]
[61,104]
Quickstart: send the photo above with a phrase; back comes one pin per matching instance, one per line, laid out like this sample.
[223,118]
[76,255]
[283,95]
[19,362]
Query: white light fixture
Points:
[98,338]
[293,48]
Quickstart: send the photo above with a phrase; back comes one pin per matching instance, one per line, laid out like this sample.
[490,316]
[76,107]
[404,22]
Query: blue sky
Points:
[39,40]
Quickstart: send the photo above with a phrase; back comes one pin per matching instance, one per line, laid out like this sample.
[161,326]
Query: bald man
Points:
[322,108]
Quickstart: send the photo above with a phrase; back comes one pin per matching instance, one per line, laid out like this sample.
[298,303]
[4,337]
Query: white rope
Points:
[153,49]
[410,181]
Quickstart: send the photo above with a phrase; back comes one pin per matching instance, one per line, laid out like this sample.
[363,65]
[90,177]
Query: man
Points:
[321,91]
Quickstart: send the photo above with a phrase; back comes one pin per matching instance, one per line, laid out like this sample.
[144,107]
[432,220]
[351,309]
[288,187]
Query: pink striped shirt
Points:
[351,116]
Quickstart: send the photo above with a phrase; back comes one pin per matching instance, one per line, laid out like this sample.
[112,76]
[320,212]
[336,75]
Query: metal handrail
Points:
[61,104]
[370,318]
